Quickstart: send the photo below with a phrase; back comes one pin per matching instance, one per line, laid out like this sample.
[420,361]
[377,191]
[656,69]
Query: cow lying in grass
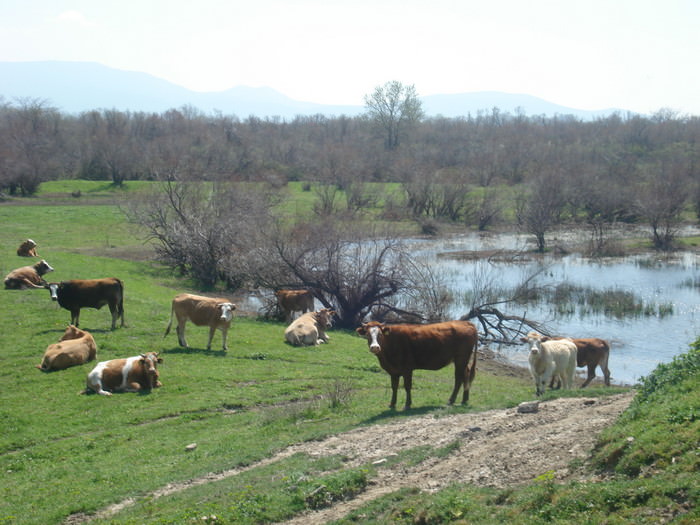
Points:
[74,348]
[309,328]
[133,374]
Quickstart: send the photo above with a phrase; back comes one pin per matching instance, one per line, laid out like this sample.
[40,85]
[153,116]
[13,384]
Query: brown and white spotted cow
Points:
[74,348]
[28,276]
[132,374]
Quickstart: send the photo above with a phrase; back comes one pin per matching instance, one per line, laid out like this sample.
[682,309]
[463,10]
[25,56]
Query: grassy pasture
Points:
[62,453]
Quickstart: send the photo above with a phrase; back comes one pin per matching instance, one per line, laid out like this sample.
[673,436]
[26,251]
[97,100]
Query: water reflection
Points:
[639,343]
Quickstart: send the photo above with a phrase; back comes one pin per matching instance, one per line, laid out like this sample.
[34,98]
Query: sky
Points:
[636,55]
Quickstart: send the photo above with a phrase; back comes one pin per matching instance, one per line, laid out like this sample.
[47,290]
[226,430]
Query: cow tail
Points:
[471,369]
[120,306]
[167,330]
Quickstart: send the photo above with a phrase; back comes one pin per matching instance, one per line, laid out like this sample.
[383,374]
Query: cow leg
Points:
[394,390]
[460,371]
[407,384]
[224,333]
[75,317]
[181,334]
[591,374]
[113,311]
[212,329]
[606,374]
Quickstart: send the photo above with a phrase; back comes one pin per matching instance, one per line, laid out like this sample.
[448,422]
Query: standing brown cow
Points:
[403,348]
[291,301]
[202,311]
[90,293]
[74,348]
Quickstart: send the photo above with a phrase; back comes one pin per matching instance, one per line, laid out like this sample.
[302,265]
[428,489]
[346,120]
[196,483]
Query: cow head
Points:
[53,290]
[72,332]
[324,317]
[535,344]
[150,361]
[374,332]
[226,311]
[43,267]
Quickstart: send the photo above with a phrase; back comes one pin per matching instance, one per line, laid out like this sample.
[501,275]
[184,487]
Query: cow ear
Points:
[361,330]
[524,339]
[386,330]
[545,338]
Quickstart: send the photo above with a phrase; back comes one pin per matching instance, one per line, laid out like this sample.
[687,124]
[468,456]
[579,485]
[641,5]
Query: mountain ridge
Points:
[75,87]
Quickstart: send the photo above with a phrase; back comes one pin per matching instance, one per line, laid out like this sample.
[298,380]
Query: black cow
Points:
[90,293]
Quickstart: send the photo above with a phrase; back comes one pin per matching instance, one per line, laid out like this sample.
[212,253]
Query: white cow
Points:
[309,329]
[551,358]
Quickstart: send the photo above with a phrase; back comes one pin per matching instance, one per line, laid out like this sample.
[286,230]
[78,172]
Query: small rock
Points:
[528,407]
[379,461]
[190,447]
[588,402]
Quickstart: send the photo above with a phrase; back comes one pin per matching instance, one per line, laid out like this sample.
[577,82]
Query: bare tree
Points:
[541,208]
[394,108]
[662,197]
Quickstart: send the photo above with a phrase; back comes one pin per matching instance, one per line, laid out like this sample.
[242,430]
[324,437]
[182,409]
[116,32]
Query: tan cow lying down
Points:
[309,329]
[28,276]
[132,374]
[550,358]
[27,249]
[74,348]
[291,301]
[202,311]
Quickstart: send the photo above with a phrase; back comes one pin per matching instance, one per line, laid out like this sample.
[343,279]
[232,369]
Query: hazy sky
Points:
[639,55]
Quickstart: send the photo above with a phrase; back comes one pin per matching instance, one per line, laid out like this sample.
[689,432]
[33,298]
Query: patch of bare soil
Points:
[497,448]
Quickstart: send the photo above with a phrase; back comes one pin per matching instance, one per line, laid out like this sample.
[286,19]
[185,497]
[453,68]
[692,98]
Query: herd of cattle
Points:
[400,348]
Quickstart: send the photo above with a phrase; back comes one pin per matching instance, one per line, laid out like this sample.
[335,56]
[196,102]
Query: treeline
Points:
[621,167]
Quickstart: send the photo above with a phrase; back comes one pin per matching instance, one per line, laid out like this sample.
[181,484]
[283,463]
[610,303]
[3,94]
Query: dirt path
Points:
[497,448]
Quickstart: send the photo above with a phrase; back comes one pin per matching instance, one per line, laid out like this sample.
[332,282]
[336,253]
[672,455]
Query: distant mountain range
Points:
[74,87]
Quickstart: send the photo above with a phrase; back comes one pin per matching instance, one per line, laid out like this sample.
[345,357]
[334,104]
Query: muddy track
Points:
[497,448]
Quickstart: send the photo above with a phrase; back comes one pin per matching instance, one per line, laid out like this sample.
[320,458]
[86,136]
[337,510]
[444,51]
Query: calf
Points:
[551,358]
[28,276]
[27,249]
[133,374]
[291,301]
[202,311]
[403,348]
[74,348]
[309,328]
[90,293]
[591,353]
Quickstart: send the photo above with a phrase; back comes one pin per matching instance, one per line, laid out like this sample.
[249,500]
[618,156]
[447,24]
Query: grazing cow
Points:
[202,311]
[74,348]
[291,301]
[27,249]
[591,352]
[550,358]
[90,293]
[403,348]
[309,328]
[28,276]
[132,374]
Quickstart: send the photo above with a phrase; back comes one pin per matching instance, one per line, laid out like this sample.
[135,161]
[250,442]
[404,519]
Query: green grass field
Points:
[62,453]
